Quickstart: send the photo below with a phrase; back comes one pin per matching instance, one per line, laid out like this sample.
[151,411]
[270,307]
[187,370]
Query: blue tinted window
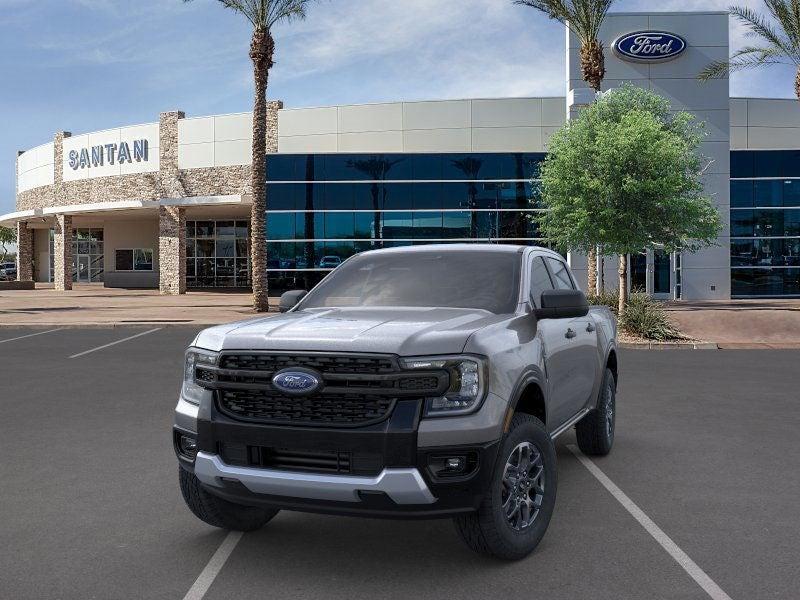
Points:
[398,225]
[427,225]
[768,193]
[426,166]
[365,226]
[281,167]
[426,195]
[280,226]
[791,192]
[281,196]
[791,222]
[742,164]
[768,163]
[366,196]
[396,196]
[456,224]
[455,195]
[765,282]
[741,194]
[339,225]
[339,196]
[742,223]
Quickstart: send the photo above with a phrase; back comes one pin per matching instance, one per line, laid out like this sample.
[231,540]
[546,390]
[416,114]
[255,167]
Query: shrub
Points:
[646,318]
[606,298]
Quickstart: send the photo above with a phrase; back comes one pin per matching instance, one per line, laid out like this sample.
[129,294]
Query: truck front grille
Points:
[295,459]
[322,363]
[357,389]
[267,407]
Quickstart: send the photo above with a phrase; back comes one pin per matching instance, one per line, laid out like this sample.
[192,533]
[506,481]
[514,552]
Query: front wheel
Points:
[516,510]
[218,512]
[595,432]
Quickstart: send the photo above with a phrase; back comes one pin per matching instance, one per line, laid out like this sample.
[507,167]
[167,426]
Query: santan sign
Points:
[97,156]
[649,46]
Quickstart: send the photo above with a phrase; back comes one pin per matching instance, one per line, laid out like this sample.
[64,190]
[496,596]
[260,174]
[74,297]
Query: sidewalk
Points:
[94,305]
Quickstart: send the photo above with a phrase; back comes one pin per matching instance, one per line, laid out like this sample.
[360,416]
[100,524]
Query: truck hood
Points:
[402,331]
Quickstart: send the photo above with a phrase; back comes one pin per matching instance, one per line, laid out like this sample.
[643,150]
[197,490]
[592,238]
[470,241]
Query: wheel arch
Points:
[529,398]
[612,365]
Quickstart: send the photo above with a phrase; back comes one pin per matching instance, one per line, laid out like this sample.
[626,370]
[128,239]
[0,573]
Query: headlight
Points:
[467,383]
[191,391]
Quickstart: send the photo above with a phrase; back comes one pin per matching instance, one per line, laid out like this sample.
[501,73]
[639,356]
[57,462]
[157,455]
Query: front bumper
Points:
[391,475]
[402,486]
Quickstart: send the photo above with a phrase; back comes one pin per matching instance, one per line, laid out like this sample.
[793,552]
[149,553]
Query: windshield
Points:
[468,279]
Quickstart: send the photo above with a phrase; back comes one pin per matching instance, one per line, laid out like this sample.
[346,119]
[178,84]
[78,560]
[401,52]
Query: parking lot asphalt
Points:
[706,447]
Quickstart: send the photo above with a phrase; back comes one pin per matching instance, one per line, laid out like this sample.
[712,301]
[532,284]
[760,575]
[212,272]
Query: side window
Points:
[540,279]
[561,277]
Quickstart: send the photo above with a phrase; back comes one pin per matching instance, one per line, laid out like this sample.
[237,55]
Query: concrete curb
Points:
[670,345]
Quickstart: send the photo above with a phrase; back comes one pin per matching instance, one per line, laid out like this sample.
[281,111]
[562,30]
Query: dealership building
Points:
[167,204]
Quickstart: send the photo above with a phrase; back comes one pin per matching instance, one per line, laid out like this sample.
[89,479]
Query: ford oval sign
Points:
[649,46]
[295,381]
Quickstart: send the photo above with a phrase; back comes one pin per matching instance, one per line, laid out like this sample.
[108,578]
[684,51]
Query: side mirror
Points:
[562,304]
[290,299]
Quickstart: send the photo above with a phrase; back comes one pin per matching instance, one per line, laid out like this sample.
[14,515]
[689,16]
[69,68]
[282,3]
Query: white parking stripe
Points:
[214,566]
[115,343]
[22,337]
[688,565]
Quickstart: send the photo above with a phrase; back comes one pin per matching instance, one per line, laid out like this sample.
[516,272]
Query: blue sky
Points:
[84,65]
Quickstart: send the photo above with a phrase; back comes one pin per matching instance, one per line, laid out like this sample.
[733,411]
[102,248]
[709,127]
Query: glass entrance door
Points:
[662,270]
[83,269]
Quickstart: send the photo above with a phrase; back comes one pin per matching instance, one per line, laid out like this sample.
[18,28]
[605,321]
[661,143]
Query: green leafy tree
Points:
[584,19]
[626,175]
[7,236]
[778,40]
[263,15]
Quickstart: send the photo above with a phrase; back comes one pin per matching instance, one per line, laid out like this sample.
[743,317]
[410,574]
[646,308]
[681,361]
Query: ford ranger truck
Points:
[415,382]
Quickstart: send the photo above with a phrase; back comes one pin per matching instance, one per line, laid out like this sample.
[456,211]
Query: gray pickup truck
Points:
[415,382]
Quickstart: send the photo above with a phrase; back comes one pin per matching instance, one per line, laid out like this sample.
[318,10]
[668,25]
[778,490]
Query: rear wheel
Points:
[516,510]
[595,432]
[218,512]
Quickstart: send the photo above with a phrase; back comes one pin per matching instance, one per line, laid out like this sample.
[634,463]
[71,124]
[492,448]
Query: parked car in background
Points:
[412,382]
[330,262]
[8,271]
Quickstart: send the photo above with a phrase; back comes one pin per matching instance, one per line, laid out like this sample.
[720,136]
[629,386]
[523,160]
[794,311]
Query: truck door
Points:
[570,346]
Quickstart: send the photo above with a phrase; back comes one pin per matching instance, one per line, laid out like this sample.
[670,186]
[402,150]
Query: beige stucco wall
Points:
[41,250]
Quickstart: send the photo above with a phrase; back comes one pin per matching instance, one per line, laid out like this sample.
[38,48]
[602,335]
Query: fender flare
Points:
[529,376]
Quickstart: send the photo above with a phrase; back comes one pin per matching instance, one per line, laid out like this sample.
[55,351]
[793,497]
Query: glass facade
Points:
[323,208]
[217,254]
[765,223]
[88,262]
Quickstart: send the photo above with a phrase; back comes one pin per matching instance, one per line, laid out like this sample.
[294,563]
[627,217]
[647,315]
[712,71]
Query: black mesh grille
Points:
[323,364]
[340,410]
[299,459]
[418,383]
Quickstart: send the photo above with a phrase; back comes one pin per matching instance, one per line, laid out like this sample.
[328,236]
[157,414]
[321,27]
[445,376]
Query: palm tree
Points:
[263,15]
[779,41]
[584,19]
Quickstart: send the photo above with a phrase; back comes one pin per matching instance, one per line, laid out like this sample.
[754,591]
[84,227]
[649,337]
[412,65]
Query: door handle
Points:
[590,327]
[570,334]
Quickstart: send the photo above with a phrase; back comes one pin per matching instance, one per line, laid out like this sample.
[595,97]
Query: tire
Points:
[595,432]
[218,512]
[488,531]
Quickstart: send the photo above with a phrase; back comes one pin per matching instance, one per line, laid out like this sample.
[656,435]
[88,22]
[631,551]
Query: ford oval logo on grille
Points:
[649,46]
[295,381]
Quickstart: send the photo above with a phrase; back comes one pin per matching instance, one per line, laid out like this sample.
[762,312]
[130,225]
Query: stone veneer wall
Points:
[171,250]
[24,252]
[169,182]
[62,250]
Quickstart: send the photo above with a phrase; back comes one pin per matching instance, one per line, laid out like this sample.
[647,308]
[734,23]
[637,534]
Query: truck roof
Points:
[509,248]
